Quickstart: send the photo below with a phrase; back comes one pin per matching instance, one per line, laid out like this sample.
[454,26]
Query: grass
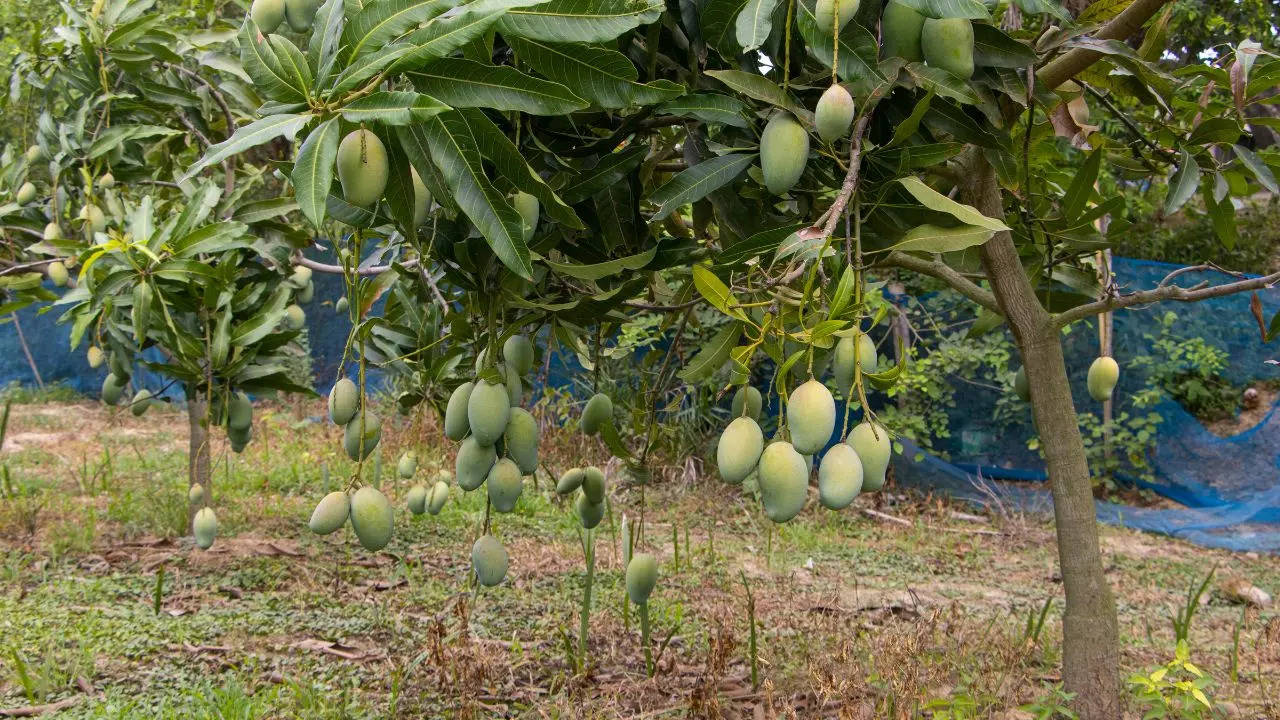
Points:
[856,616]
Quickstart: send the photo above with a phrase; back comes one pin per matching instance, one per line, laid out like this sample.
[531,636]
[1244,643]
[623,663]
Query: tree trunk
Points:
[198,453]
[1090,647]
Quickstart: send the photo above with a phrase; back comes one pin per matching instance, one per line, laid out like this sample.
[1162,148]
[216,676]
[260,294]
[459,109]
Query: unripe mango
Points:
[344,401]
[94,218]
[341,305]
[112,389]
[518,352]
[739,449]
[839,477]
[529,209]
[372,518]
[589,514]
[456,426]
[505,484]
[35,154]
[95,356]
[119,365]
[438,497]
[811,417]
[784,481]
[300,13]
[331,513]
[488,411]
[515,388]
[294,317]
[239,439]
[1020,385]
[874,448]
[239,412]
[58,273]
[489,559]
[26,193]
[834,113]
[267,15]
[417,499]
[521,440]
[473,463]
[205,527]
[948,44]
[141,401]
[784,151]
[362,167]
[900,28]
[407,465]
[195,494]
[360,446]
[824,12]
[107,181]
[52,231]
[593,484]
[421,198]
[642,577]
[599,410]
[300,277]
[1104,373]
[747,402]
[863,348]
[569,481]
[306,294]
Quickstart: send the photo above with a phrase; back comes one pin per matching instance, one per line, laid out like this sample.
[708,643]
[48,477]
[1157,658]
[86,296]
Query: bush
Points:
[1189,239]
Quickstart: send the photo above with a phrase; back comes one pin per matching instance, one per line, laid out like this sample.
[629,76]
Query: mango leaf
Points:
[378,23]
[293,63]
[609,170]
[718,20]
[858,50]
[1081,188]
[905,129]
[713,289]
[263,322]
[1183,184]
[455,153]
[313,170]
[116,135]
[698,181]
[754,23]
[248,136]
[935,200]
[934,239]
[393,108]
[1259,168]
[762,243]
[605,77]
[710,108]
[712,355]
[941,82]
[972,9]
[264,66]
[843,293]
[598,271]
[586,21]
[326,36]
[1216,130]
[466,83]
[759,87]
[993,48]
[258,210]
[1041,7]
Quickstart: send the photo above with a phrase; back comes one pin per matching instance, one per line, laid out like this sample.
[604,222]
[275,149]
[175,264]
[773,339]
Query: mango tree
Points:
[564,164]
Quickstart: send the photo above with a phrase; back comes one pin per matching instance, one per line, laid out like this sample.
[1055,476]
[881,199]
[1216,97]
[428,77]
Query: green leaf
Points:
[584,21]
[212,239]
[905,129]
[762,243]
[972,9]
[313,170]
[117,135]
[393,108]
[454,151]
[260,60]
[262,323]
[695,183]
[843,293]
[609,170]
[247,136]
[941,82]
[712,355]
[993,48]
[378,23]
[326,37]
[1183,184]
[605,77]
[754,23]
[935,200]
[1259,169]
[602,270]
[710,108]
[1216,130]
[713,289]
[1081,189]
[1041,7]
[293,63]
[258,210]
[465,83]
[858,50]
[442,36]
[934,239]
[718,20]
[759,87]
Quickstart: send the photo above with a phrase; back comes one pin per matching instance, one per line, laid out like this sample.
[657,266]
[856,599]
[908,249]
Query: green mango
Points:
[26,193]
[811,417]
[505,483]
[569,481]
[900,28]
[421,198]
[738,450]
[456,426]
[641,577]
[598,411]
[874,448]
[488,410]
[195,494]
[489,560]
[518,352]
[331,513]
[948,44]
[58,273]
[53,231]
[784,151]
[35,154]
[361,447]
[372,518]
[473,463]
[362,167]
[205,527]
[784,481]
[407,465]
[515,388]
[843,359]
[589,514]
[344,401]
[294,317]
[95,356]
[267,15]
[417,499]
[438,497]
[239,411]
[824,13]
[1104,373]
[747,402]
[593,484]
[141,401]
[112,389]
[300,13]
[834,113]
[527,206]
[839,477]
[306,294]
[521,440]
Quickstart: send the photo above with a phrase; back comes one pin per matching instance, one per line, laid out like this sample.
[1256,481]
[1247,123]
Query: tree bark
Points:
[1090,654]
[198,471]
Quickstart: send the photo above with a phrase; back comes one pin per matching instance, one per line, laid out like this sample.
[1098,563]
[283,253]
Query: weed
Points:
[1177,689]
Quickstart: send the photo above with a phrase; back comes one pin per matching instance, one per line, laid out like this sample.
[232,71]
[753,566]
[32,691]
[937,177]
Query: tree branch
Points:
[1076,61]
[337,269]
[948,275]
[1165,292]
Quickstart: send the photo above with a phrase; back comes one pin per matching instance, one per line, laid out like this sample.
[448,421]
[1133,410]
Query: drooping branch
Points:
[831,217]
[948,275]
[1164,292]
[1120,28]
[337,269]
